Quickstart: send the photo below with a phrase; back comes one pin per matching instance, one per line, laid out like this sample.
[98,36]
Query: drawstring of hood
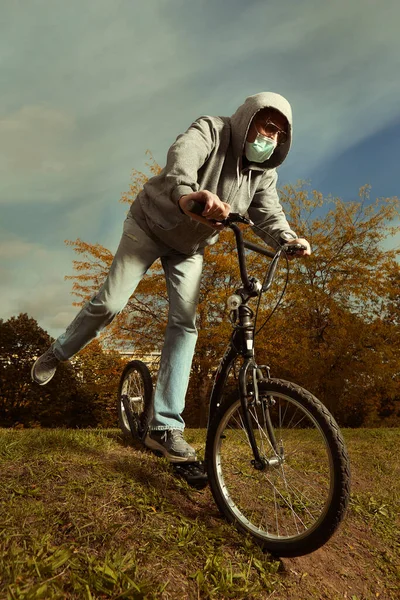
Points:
[249,183]
[248,178]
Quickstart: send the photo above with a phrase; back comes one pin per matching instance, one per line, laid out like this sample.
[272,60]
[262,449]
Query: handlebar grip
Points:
[195,207]
[293,248]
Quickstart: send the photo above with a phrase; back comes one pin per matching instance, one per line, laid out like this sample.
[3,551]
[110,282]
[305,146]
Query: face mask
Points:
[261,149]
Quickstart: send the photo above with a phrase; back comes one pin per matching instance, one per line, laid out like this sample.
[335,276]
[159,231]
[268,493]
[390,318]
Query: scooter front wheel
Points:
[293,499]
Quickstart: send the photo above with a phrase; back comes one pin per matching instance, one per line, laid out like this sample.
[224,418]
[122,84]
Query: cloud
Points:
[133,79]
[32,278]
[5,276]
[333,60]
[31,135]
[39,152]
[49,303]
[15,248]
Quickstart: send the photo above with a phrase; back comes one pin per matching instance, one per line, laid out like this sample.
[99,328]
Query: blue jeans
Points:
[136,253]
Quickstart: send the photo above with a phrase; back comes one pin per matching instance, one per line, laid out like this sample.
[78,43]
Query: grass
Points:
[85,516]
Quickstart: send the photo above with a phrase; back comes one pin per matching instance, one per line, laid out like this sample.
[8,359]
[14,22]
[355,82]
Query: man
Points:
[226,163]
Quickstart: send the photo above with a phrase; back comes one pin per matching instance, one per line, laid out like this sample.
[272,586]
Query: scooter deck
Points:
[193,472]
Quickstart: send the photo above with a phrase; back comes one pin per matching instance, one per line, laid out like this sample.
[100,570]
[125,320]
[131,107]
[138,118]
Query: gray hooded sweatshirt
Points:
[210,156]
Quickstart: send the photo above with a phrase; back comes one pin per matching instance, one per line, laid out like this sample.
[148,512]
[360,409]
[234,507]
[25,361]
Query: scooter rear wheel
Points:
[136,391]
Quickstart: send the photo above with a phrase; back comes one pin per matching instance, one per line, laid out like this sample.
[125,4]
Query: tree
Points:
[336,332]
[21,401]
[99,372]
[81,394]
[339,303]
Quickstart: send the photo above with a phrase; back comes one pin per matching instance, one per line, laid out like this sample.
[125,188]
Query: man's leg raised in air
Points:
[135,253]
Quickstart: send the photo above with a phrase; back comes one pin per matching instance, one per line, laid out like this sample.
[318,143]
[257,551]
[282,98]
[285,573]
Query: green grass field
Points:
[83,515]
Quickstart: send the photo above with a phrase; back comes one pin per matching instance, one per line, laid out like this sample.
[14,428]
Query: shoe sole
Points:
[155,446]
[33,375]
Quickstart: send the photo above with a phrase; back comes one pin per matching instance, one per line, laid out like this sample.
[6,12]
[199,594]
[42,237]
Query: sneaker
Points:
[171,443]
[44,367]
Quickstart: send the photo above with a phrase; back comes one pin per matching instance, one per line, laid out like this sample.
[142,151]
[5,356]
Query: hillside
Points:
[83,515]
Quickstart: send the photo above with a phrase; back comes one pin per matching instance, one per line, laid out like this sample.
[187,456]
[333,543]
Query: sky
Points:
[88,86]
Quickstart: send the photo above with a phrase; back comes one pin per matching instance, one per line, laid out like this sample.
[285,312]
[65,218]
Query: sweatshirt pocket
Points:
[186,238]
[163,212]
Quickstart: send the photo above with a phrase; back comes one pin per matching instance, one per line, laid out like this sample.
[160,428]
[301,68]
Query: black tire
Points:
[284,518]
[136,385]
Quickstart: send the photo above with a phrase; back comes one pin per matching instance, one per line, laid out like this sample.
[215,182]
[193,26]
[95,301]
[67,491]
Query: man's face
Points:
[268,122]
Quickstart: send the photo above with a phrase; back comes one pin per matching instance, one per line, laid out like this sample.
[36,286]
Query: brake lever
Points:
[236,218]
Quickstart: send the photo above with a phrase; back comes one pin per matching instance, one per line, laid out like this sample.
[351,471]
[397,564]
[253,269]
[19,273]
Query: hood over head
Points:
[240,123]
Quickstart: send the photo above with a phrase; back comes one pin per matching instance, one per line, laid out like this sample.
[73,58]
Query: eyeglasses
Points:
[268,128]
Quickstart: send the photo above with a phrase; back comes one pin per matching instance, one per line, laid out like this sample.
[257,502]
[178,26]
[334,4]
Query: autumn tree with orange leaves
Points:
[336,331]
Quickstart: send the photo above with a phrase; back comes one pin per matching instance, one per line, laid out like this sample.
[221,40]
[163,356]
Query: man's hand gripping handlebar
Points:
[205,207]
[196,208]
[193,207]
